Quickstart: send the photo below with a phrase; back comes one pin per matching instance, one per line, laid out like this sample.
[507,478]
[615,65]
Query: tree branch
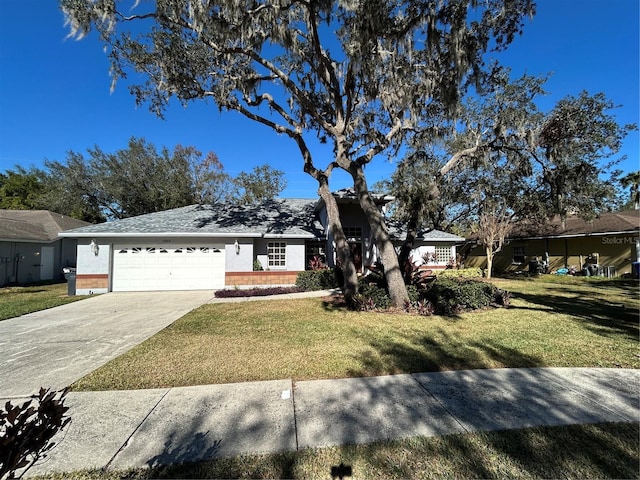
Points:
[380,146]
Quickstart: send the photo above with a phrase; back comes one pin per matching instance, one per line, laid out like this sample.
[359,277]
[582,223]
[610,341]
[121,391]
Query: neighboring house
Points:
[218,246]
[31,247]
[611,241]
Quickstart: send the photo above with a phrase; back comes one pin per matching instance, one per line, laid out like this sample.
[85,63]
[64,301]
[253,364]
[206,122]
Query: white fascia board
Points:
[158,235]
[440,240]
[296,236]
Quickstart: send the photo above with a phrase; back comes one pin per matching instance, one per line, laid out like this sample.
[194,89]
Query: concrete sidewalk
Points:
[146,428]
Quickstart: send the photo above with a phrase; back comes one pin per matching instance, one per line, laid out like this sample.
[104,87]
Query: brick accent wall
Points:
[92,280]
[272,277]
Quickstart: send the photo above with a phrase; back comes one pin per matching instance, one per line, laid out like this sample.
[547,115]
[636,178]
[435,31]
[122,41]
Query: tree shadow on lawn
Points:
[424,354]
[536,453]
[600,315]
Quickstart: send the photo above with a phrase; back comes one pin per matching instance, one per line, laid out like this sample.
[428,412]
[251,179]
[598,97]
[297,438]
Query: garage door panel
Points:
[156,267]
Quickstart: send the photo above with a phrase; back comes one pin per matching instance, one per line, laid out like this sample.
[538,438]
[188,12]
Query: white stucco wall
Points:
[90,264]
[241,261]
[295,256]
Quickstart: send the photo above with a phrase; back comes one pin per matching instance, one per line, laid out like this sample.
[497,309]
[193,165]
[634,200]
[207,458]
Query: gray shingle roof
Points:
[34,225]
[286,217]
[398,232]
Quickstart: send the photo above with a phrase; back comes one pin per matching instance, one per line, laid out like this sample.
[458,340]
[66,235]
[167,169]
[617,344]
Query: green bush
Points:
[445,296]
[317,280]
[460,273]
[371,296]
[450,296]
[414,293]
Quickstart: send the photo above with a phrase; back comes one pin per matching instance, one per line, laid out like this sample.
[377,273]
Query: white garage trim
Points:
[149,267]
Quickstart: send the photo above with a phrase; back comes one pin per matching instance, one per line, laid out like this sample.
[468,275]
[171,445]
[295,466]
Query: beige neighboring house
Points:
[31,248]
[611,242]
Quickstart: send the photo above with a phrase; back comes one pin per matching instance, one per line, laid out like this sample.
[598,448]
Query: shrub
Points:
[316,263]
[461,273]
[450,296]
[372,297]
[257,266]
[317,280]
[414,293]
[26,430]
[501,298]
[423,307]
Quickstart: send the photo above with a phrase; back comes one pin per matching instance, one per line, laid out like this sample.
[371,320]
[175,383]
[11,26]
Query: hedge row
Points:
[310,280]
[460,273]
[255,292]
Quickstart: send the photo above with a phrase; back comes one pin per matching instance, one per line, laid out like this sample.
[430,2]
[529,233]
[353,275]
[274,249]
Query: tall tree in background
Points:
[133,181]
[362,74]
[573,155]
[517,162]
[140,179]
[632,182]
[424,199]
[209,182]
[20,189]
[129,182]
[262,183]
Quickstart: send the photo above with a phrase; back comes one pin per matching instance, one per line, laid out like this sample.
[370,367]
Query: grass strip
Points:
[16,301]
[608,450]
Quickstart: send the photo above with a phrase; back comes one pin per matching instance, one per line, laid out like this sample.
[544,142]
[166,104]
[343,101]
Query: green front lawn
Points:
[16,301]
[568,324]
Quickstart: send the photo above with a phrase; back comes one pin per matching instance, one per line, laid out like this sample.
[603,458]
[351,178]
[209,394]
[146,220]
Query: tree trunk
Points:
[405,250]
[490,254]
[350,285]
[393,273]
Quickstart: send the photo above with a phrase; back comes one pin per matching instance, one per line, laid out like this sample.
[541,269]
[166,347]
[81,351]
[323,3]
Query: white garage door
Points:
[159,267]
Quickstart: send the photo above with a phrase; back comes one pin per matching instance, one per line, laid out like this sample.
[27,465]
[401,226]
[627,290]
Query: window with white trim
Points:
[443,254]
[277,254]
[518,255]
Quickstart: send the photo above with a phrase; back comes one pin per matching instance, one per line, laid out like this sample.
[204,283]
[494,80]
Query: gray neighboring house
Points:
[32,249]
[217,246]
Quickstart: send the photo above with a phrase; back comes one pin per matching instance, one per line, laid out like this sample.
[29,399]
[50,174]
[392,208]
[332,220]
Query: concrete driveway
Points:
[54,348]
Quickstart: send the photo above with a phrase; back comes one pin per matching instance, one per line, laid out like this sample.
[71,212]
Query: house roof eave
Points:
[574,235]
[160,235]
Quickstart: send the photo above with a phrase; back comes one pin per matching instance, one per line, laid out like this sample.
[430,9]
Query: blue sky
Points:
[54,92]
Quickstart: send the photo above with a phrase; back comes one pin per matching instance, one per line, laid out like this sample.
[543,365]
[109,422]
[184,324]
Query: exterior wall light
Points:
[236,245]
[95,248]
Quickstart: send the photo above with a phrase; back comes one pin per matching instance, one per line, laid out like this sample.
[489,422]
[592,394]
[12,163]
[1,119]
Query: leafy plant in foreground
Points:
[26,430]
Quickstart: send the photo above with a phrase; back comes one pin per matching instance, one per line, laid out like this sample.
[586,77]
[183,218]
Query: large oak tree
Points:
[361,74]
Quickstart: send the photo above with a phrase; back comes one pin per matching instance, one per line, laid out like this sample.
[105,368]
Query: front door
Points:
[46,263]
